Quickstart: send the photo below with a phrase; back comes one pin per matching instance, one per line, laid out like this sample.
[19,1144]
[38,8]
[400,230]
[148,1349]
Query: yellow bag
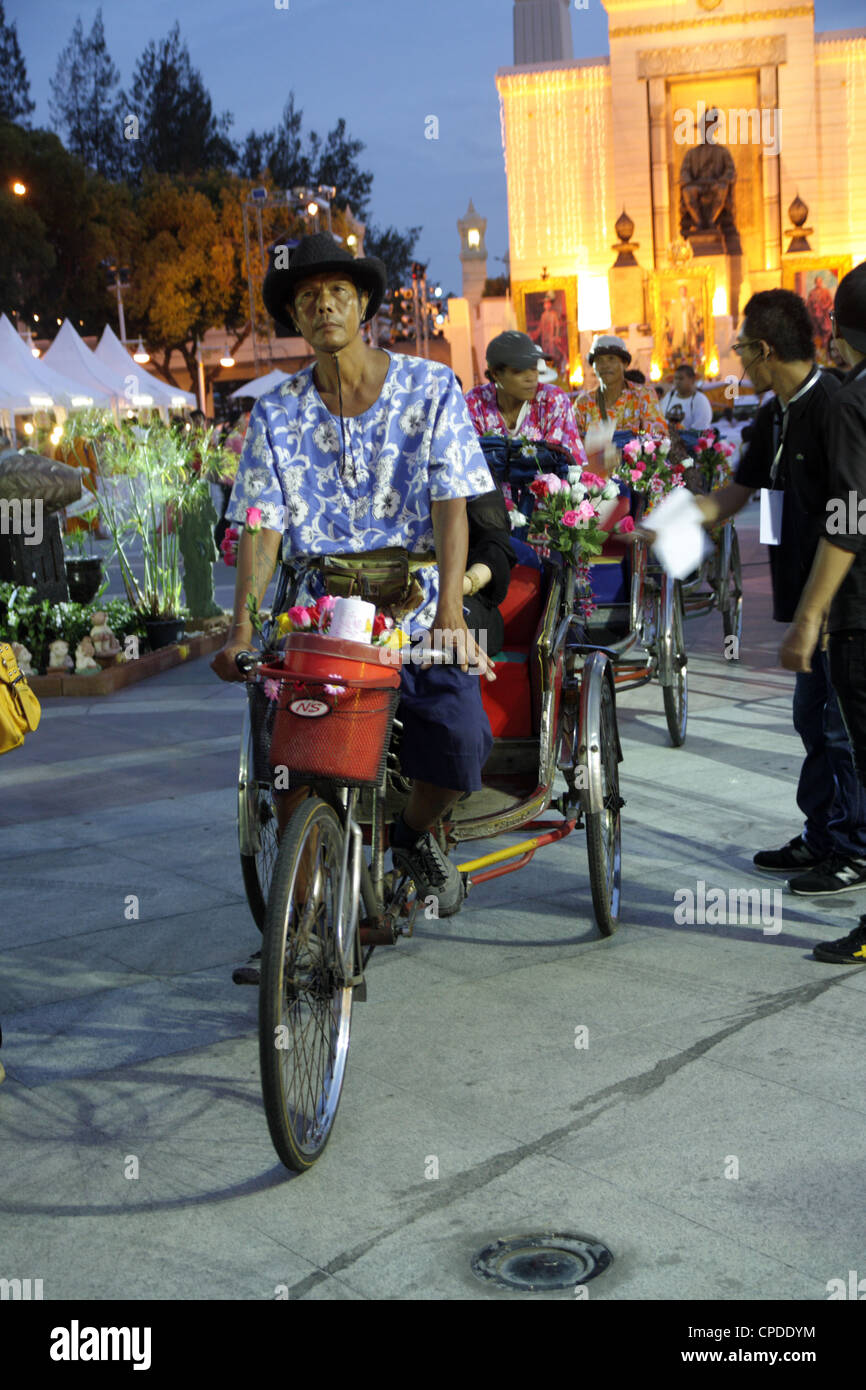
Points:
[20,710]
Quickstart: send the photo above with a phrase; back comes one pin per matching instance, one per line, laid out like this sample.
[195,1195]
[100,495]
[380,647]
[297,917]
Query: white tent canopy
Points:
[45,385]
[16,392]
[259,386]
[70,355]
[111,352]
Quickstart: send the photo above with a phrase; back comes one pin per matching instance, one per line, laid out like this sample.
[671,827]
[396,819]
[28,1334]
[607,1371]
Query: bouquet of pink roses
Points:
[646,467]
[564,517]
[712,457]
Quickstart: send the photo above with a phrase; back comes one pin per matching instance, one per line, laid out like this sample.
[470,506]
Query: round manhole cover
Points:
[541,1263]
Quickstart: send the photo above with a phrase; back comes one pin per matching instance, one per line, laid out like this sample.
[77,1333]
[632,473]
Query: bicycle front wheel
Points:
[305,1008]
[257,828]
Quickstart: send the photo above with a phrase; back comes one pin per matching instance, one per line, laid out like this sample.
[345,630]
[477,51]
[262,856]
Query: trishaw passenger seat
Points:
[509,699]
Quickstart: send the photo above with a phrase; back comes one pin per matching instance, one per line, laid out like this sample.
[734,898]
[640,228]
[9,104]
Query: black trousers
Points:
[847,652]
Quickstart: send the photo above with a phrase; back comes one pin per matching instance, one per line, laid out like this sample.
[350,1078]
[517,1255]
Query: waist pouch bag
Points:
[382,577]
[20,710]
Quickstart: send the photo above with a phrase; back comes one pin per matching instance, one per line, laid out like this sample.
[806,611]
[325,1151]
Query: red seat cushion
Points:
[616,548]
[508,699]
[622,508]
[521,608]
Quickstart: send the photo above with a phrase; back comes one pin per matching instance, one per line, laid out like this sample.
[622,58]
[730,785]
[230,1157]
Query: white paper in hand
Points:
[681,542]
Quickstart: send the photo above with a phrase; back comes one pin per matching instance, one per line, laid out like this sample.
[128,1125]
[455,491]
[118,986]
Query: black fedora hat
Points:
[318,254]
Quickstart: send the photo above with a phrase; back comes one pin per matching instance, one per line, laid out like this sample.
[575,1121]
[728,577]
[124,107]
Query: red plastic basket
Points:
[339,736]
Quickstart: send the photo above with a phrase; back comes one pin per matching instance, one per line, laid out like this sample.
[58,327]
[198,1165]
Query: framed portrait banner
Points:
[682,317]
[815,279]
[547,311]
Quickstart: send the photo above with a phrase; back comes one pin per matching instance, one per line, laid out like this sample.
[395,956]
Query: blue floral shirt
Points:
[414,446]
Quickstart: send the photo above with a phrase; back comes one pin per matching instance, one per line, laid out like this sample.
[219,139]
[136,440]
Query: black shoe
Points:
[848,950]
[796,854]
[838,874]
[432,874]
[250,972]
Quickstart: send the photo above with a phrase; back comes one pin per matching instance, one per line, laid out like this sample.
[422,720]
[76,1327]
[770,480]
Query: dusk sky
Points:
[382,64]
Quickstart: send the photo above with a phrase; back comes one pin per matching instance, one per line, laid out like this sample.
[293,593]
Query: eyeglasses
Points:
[744,343]
[833,320]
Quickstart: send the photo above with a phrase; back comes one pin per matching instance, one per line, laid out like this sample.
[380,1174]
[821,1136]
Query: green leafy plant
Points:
[147,478]
[26,619]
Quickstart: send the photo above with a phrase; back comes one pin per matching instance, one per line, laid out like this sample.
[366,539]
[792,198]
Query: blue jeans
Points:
[829,793]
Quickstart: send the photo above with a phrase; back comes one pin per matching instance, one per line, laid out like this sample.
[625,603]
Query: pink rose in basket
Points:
[631,449]
[649,446]
[300,617]
[636,475]
[586,511]
[592,480]
[554,484]
[625,525]
[569,518]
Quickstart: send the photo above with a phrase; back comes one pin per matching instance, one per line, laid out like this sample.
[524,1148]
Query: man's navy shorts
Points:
[446,736]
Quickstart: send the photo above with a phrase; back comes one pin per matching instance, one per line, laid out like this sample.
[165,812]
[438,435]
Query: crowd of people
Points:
[364,450]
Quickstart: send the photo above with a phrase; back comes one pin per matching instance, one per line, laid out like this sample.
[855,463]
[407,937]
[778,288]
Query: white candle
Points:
[352,620]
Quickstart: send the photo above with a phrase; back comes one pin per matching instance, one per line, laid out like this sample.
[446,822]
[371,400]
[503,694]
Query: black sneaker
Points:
[432,874]
[848,950]
[250,972]
[838,874]
[796,854]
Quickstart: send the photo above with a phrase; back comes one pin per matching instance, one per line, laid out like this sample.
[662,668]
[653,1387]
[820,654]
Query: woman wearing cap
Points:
[616,401]
[517,401]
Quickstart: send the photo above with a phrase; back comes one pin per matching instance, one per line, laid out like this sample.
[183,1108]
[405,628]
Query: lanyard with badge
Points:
[773,498]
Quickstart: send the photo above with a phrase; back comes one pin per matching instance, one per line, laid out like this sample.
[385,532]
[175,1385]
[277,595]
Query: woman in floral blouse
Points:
[622,403]
[513,402]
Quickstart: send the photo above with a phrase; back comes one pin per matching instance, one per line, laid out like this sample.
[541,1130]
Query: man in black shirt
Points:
[787,457]
[835,593]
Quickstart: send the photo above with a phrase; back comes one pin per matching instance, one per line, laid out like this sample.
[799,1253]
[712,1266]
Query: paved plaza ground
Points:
[711,1132]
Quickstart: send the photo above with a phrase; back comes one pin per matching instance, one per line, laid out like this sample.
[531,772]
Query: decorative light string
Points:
[555,128]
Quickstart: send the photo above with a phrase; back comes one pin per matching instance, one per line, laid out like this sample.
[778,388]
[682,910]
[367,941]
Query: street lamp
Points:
[19,189]
[141,355]
[121,279]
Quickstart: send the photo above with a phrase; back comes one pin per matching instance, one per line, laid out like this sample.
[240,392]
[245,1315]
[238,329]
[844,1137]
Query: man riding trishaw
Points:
[361,451]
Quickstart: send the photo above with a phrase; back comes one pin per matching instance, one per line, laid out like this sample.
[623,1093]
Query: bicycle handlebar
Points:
[245,662]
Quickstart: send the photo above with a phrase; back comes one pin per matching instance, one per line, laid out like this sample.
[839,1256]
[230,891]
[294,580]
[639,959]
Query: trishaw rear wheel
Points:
[603,836]
[732,598]
[305,1008]
[675,688]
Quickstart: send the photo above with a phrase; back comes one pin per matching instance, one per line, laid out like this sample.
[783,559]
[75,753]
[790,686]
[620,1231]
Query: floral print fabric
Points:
[637,410]
[550,418]
[371,485]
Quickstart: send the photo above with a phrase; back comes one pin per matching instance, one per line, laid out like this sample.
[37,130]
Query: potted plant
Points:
[83,568]
[145,479]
